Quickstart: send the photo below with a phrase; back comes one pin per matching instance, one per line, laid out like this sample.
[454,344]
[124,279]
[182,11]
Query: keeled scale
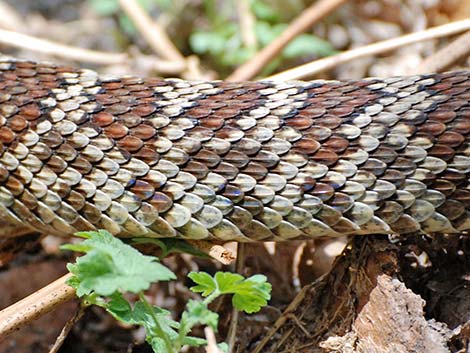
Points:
[233,161]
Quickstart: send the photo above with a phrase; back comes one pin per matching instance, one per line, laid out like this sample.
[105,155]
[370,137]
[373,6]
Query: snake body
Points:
[249,161]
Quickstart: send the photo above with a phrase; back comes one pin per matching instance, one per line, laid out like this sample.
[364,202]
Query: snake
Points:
[232,161]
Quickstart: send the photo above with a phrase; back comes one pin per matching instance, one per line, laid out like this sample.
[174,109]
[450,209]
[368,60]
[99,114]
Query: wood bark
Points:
[379,297]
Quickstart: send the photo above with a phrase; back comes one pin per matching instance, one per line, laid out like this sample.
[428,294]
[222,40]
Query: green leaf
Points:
[237,56]
[223,347]
[164,4]
[158,344]
[207,42]
[110,7]
[228,281]
[120,308]
[194,341]
[127,25]
[266,32]
[205,283]
[307,44]
[156,321]
[78,247]
[197,313]
[104,7]
[110,265]
[143,316]
[249,295]
[264,11]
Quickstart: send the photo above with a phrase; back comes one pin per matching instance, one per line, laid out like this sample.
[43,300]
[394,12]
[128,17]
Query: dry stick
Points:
[158,40]
[232,331]
[247,24]
[35,305]
[447,56]
[211,342]
[11,19]
[24,41]
[303,22]
[151,31]
[217,252]
[153,64]
[68,326]
[372,49]
[48,47]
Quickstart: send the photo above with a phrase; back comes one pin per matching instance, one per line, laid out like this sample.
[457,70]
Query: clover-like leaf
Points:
[249,295]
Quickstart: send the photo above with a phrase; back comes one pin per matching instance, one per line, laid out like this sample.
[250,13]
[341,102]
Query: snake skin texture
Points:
[249,161]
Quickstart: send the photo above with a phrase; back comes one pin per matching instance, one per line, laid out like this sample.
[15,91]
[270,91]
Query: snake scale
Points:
[249,161]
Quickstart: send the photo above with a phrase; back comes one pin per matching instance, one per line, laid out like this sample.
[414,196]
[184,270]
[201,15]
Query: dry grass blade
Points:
[303,22]
[317,66]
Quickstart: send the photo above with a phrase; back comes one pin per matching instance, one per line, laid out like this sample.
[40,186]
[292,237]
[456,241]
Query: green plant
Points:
[112,8]
[222,41]
[110,268]
[211,30]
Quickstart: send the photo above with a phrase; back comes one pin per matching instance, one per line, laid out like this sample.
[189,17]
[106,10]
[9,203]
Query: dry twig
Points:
[11,19]
[317,66]
[217,252]
[48,47]
[24,41]
[303,22]
[151,31]
[247,23]
[447,56]
[35,305]
[211,342]
[232,331]
[68,326]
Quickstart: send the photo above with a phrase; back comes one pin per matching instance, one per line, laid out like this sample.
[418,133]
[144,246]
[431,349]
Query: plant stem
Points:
[160,332]
[210,298]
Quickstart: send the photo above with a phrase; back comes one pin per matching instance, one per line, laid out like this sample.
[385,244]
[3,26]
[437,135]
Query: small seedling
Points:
[111,268]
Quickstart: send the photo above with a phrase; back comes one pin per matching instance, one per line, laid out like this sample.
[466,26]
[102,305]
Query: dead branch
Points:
[217,252]
[35,305]
[247,23]
[67,327]
[447,56]
[330,62]
[19,40]
[155,36]
[303,22]
[211,342]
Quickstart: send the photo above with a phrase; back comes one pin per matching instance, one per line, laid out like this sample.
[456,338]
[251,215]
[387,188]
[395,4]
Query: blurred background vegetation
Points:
[212,30]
